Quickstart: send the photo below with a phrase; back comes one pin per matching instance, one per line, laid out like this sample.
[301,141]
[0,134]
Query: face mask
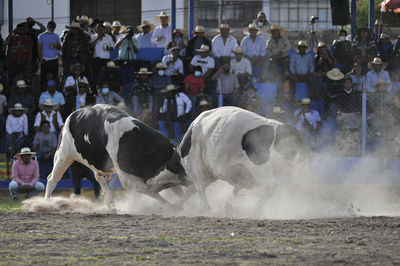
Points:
[161,72]
[197,73]
[105,90]
[260,24]
[342,38]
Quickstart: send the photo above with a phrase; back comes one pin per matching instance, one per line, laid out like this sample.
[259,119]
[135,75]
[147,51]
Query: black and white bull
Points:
[239,147]
[107,140]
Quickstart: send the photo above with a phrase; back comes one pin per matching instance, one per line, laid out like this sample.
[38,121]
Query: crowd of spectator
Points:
[94,61]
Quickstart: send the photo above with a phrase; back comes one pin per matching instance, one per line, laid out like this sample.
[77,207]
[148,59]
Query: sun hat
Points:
[75,24]
[146,23]
[306,101]
[84,18]
[17,107]
[25,151]
[199,28]
[223,26]
[144,71]
[384,36]
[111,64]
[204,103]
[238,50]
[107,24]
[116,23]
[203,48]
[302,43]
[277,110]
[276,27]
[170,88]
[382,83]
[48,103]
[335,74]
[320,45]
[21,84]
[252,26]
[82,81]
[377,61]
[163,14]
[160,66]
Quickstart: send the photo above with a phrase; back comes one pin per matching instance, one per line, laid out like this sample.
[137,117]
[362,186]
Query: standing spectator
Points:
[107,30]
[111,75]
[3,106]
[102,45]
[378,30]
[384,50]
[264,25]
[302,68]
[25,175]
[194,87]
[308,123]
[24,97]
[203,60]
[142,92]
[196,42]
[376,73]
[19,51]
[228,84]
[335,88]
[85,22]
[71,83]
[277,48]
[48,46]
[241,67]
[250,101]
[159,81]
[144,38]
[176,42]
[49,112]
[254,48]
[342,54]
[223,45]
[162,34]
[357,77]
[16,128]
[34,33]
[173,63]
[176,107]
[75,48]
[45,144]
[323,63]
[363,45]
[116,29]
[51,93]
[108,97]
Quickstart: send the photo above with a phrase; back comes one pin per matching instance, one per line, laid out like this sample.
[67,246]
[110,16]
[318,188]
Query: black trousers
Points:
[50,66]
[170,125]
[78,172]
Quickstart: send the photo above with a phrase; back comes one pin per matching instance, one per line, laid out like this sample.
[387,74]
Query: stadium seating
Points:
[150,54]
[267,93]
[301,91]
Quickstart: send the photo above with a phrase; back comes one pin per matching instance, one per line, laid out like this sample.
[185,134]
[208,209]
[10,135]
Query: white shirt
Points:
[99,48]
[241,67]
[219,48]
[160,31]
[49,118]
[71,81]
[177,66]
[205,63]
[17,124]
[257,48]
[183,104]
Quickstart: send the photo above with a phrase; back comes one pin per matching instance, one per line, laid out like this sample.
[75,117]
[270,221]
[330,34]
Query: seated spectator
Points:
[357,77]
[107,96]
[278,47]
[204,105]
[31,79]
[178,42]
[25,98]
[203,60]
[79,98]
[376,73]
[250,101]
[384,50]
[342,55]
[110,75]
[71,83]
[302,68]
[79,172]
[173,63]
[241,67]
[349,101]
[142,88]
[159,81]
[176,108]
[56,97]
[363,45]
[144,38]
[223,45]
[196,42]
[162,33]
[194,87]
[278,114]
[25,175]
[3,106]
[264,25]
[228,84]
[49,112]
[308,123]
[323,64]
[254,49]
[16,128]
[45,144]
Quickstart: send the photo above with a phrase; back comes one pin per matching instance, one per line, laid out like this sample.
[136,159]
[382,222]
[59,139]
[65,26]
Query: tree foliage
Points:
[389,18]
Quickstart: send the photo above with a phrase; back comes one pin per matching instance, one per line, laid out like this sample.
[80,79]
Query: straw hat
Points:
[1,87]
[335,74]
[111,64]
[384,36]
[320,45]
[163,14]
[116,23]
[21,84]
[223,26]
[278,109]
[49,103]
[377,61]
[144,71]
[75,24]
[276,27]
[252,26]
[302,43]
[107,24]
[72,67]
[203,48]
[160,66]
[25,151]
[199,29]
[306,101]
[146,23]
[238,50]
[381,83]
[204,103]
[17,107]
[84,18]
[82,81]
[170,88]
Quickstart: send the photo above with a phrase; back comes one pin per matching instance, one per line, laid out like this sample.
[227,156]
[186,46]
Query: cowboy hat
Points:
[146,23]
[320,45]
[1,87]
[382,83]
[75,24]
[49,103]
[302,43]
[25,151]
[238,50]
[335,74]
[72,67]
[163,14]
[107,24]
[252,26]
[116,23]
[276,27]
[223,26]
[199,29]
[160,66]
[84,18]
[83,81]
[203,48]
[384,36]
[204,103]
[277,110]
[111,64]
[170,88]
[250,86]
[177,31]
[17,107]
[21,84]
[144,71]
[377,61]
[306,101]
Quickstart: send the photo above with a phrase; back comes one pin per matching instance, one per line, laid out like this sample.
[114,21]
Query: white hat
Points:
[21,84]
[163,14]
[144,70]
[377,61]
[116,23]
[277,110]
[146,23]
[48,102]
[25,151]
[238,50]
[199,29]
[302,43]
[252,26]
[17,107]
[335,74]
[111,64]
[169,88]
[203,48]
[306,101]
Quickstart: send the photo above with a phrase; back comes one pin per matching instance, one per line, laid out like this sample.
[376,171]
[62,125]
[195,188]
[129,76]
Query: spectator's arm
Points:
[15,174]
[311,63]
[292,63]
[39,51]
[180,68]
[37,121]
[42,28]
[368,83]
[25,124]
[8,125]
[188,103]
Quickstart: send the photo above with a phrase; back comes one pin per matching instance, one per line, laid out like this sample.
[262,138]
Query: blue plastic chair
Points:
[301,91]
[318,106]
[266,91]
[150,54]
[162,128]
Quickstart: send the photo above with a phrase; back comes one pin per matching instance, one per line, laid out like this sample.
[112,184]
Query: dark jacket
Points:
[191,49]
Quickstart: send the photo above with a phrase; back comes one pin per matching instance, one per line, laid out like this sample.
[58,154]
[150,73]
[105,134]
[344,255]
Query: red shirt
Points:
[195,84]
[19,48]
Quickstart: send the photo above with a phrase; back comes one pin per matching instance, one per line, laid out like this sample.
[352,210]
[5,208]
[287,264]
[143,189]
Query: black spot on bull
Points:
[90,139]
[144,152]
[186,143]
[256,143]
[288,141]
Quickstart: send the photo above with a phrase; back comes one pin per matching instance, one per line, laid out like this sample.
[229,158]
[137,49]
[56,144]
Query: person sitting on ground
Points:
[223,45]
[16,128]
[45,144]
[342,53]
[173,63]
[241,67]
[376,73]
[159,81]
[357,77]
[49,111]
[308,122]
[250,101]
[194,87]
[228,84]
[277,49]
[25,175]
[196,42]
[56,97]
[107,96]
[384,50]
[144,38]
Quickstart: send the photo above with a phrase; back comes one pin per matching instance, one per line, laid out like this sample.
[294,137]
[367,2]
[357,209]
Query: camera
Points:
[313,19]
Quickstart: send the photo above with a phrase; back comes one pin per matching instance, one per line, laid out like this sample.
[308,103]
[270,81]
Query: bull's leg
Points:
[267,193]
[61,164]
[106,190]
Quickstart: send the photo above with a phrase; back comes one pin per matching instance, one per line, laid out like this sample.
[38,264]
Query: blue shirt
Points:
[123,49]
[372,78]
[46,39]
[301,65]
[57,98]
[358,84]
[257,48]
[145,40]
